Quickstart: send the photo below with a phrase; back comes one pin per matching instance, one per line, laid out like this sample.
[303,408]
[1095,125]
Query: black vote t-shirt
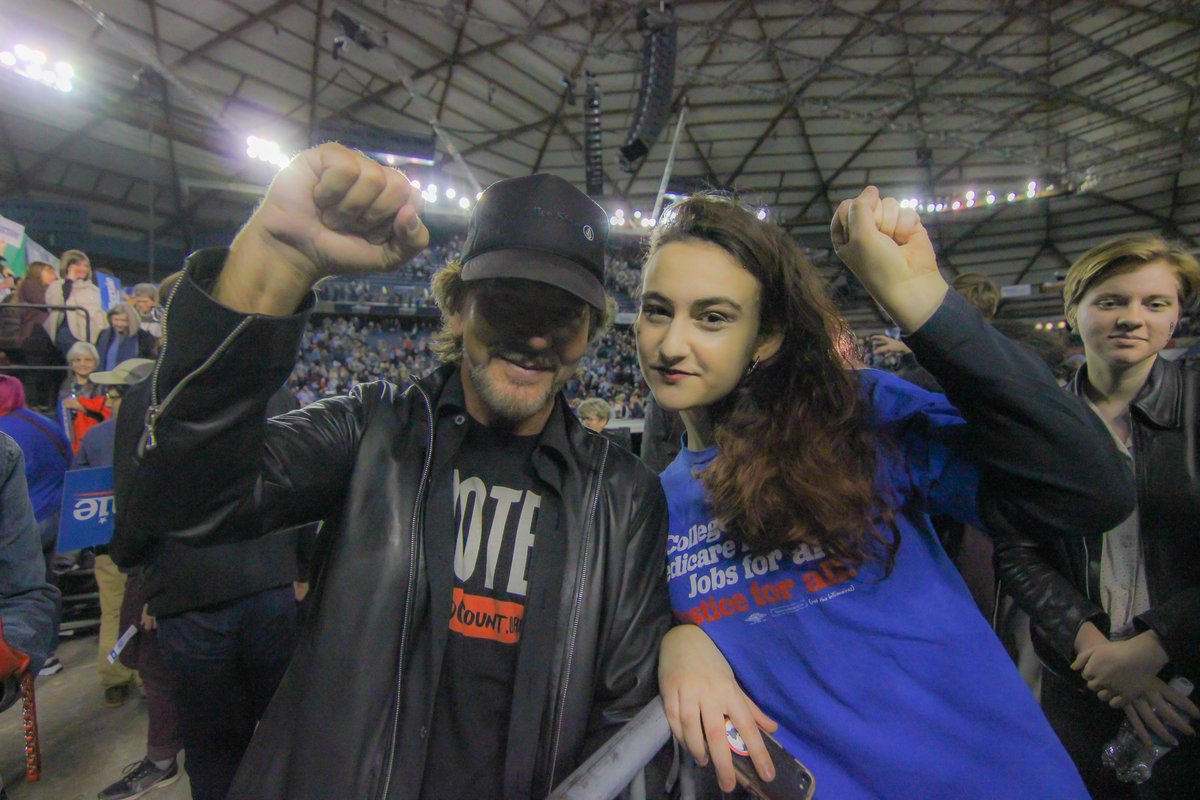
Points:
[496,499]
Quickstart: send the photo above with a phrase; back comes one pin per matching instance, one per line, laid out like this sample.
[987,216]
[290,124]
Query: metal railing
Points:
[620,762]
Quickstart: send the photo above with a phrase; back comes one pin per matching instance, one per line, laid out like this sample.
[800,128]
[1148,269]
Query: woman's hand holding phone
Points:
[699,692]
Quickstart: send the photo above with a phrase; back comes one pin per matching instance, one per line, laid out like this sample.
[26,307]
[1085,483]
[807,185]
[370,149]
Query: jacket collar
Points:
[558,438]
[1158,402]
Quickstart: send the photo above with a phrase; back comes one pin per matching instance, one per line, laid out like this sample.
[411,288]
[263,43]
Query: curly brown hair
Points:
[796,451]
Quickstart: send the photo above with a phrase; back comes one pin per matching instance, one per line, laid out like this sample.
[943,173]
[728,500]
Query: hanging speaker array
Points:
[593,153]
[659,49]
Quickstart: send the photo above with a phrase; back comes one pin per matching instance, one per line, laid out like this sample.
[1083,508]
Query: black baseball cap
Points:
[539,228]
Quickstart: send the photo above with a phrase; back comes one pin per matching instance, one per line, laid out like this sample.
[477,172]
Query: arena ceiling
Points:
[795,104]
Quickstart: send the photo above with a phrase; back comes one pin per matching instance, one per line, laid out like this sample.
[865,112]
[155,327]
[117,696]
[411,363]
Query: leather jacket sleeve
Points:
[1177,623]
[1048,466]
[1055,607]
[627,676]
[241,476]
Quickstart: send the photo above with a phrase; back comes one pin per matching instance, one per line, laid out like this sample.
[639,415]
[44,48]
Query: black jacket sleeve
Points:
[627,675]
[1026,571]
[1048,466]
[1177,623]
[241,476]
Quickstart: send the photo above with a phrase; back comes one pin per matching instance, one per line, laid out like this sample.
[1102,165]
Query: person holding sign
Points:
[818,603]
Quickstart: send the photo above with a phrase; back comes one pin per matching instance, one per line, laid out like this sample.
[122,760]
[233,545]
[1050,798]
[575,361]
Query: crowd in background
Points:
[408,287]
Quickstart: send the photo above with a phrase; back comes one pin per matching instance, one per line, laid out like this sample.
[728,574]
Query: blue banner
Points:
[110,289]
[87,509]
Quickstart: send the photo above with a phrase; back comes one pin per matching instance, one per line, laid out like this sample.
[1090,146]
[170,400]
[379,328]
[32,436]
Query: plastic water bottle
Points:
[1132,759]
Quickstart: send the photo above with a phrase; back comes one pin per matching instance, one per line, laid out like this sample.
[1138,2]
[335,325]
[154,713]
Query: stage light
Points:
[970,195]
[451,194]
[29,62]
[464,203]
[614,220]
[637,214]
[1031,189]
[1011,196]
[762,213]
[266,150]
[956,205]
[416,183]
[991,198]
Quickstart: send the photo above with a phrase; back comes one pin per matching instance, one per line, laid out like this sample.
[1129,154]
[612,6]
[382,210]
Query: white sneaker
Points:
[52,667]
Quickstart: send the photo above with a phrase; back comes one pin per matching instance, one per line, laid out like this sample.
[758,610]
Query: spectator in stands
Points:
[980,291]
[29,605]
[8,280]
[799,540]
[595,414]
[402,682]
[124,339]
[81,403]
[35,347]
[142,654]
[97,451]
[74,287]
[1115,614]
[144,298]
[47,455]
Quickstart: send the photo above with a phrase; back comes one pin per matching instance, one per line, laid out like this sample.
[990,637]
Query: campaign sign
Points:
[110,289]
[87,509]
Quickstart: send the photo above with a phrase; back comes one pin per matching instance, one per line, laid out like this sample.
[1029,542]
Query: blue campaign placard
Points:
[87,509]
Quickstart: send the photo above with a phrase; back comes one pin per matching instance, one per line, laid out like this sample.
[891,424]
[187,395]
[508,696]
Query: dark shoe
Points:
[139,778]
[52,667]
[115,696]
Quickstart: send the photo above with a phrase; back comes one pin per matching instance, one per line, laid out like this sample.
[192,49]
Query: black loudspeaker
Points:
[593,153]
[658,81]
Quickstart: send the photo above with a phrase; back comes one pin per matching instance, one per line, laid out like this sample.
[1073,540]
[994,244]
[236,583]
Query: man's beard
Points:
[507,410]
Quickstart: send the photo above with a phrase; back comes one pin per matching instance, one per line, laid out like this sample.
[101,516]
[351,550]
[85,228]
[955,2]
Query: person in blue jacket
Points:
[815,597]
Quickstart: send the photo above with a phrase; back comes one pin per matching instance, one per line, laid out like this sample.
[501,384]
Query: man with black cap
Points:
[488,593]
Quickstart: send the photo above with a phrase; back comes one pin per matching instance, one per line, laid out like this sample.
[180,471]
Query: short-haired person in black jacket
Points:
[1116,615]
[488,592]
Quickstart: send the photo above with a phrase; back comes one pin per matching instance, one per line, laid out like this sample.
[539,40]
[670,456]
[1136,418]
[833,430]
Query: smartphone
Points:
[792,781]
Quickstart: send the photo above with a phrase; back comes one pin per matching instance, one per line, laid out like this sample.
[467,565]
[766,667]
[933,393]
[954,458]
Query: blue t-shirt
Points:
[889,687]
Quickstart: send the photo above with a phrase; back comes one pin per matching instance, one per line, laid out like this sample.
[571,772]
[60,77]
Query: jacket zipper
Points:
[412,565]
[149,441]
[576,613]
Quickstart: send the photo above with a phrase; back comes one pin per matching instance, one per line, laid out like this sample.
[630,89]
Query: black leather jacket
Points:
[1055,581]
[199,466]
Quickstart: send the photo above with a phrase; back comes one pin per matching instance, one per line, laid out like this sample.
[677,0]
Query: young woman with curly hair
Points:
[815,598]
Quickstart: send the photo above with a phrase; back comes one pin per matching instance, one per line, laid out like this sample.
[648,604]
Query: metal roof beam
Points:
[1015,10]
[249,22]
